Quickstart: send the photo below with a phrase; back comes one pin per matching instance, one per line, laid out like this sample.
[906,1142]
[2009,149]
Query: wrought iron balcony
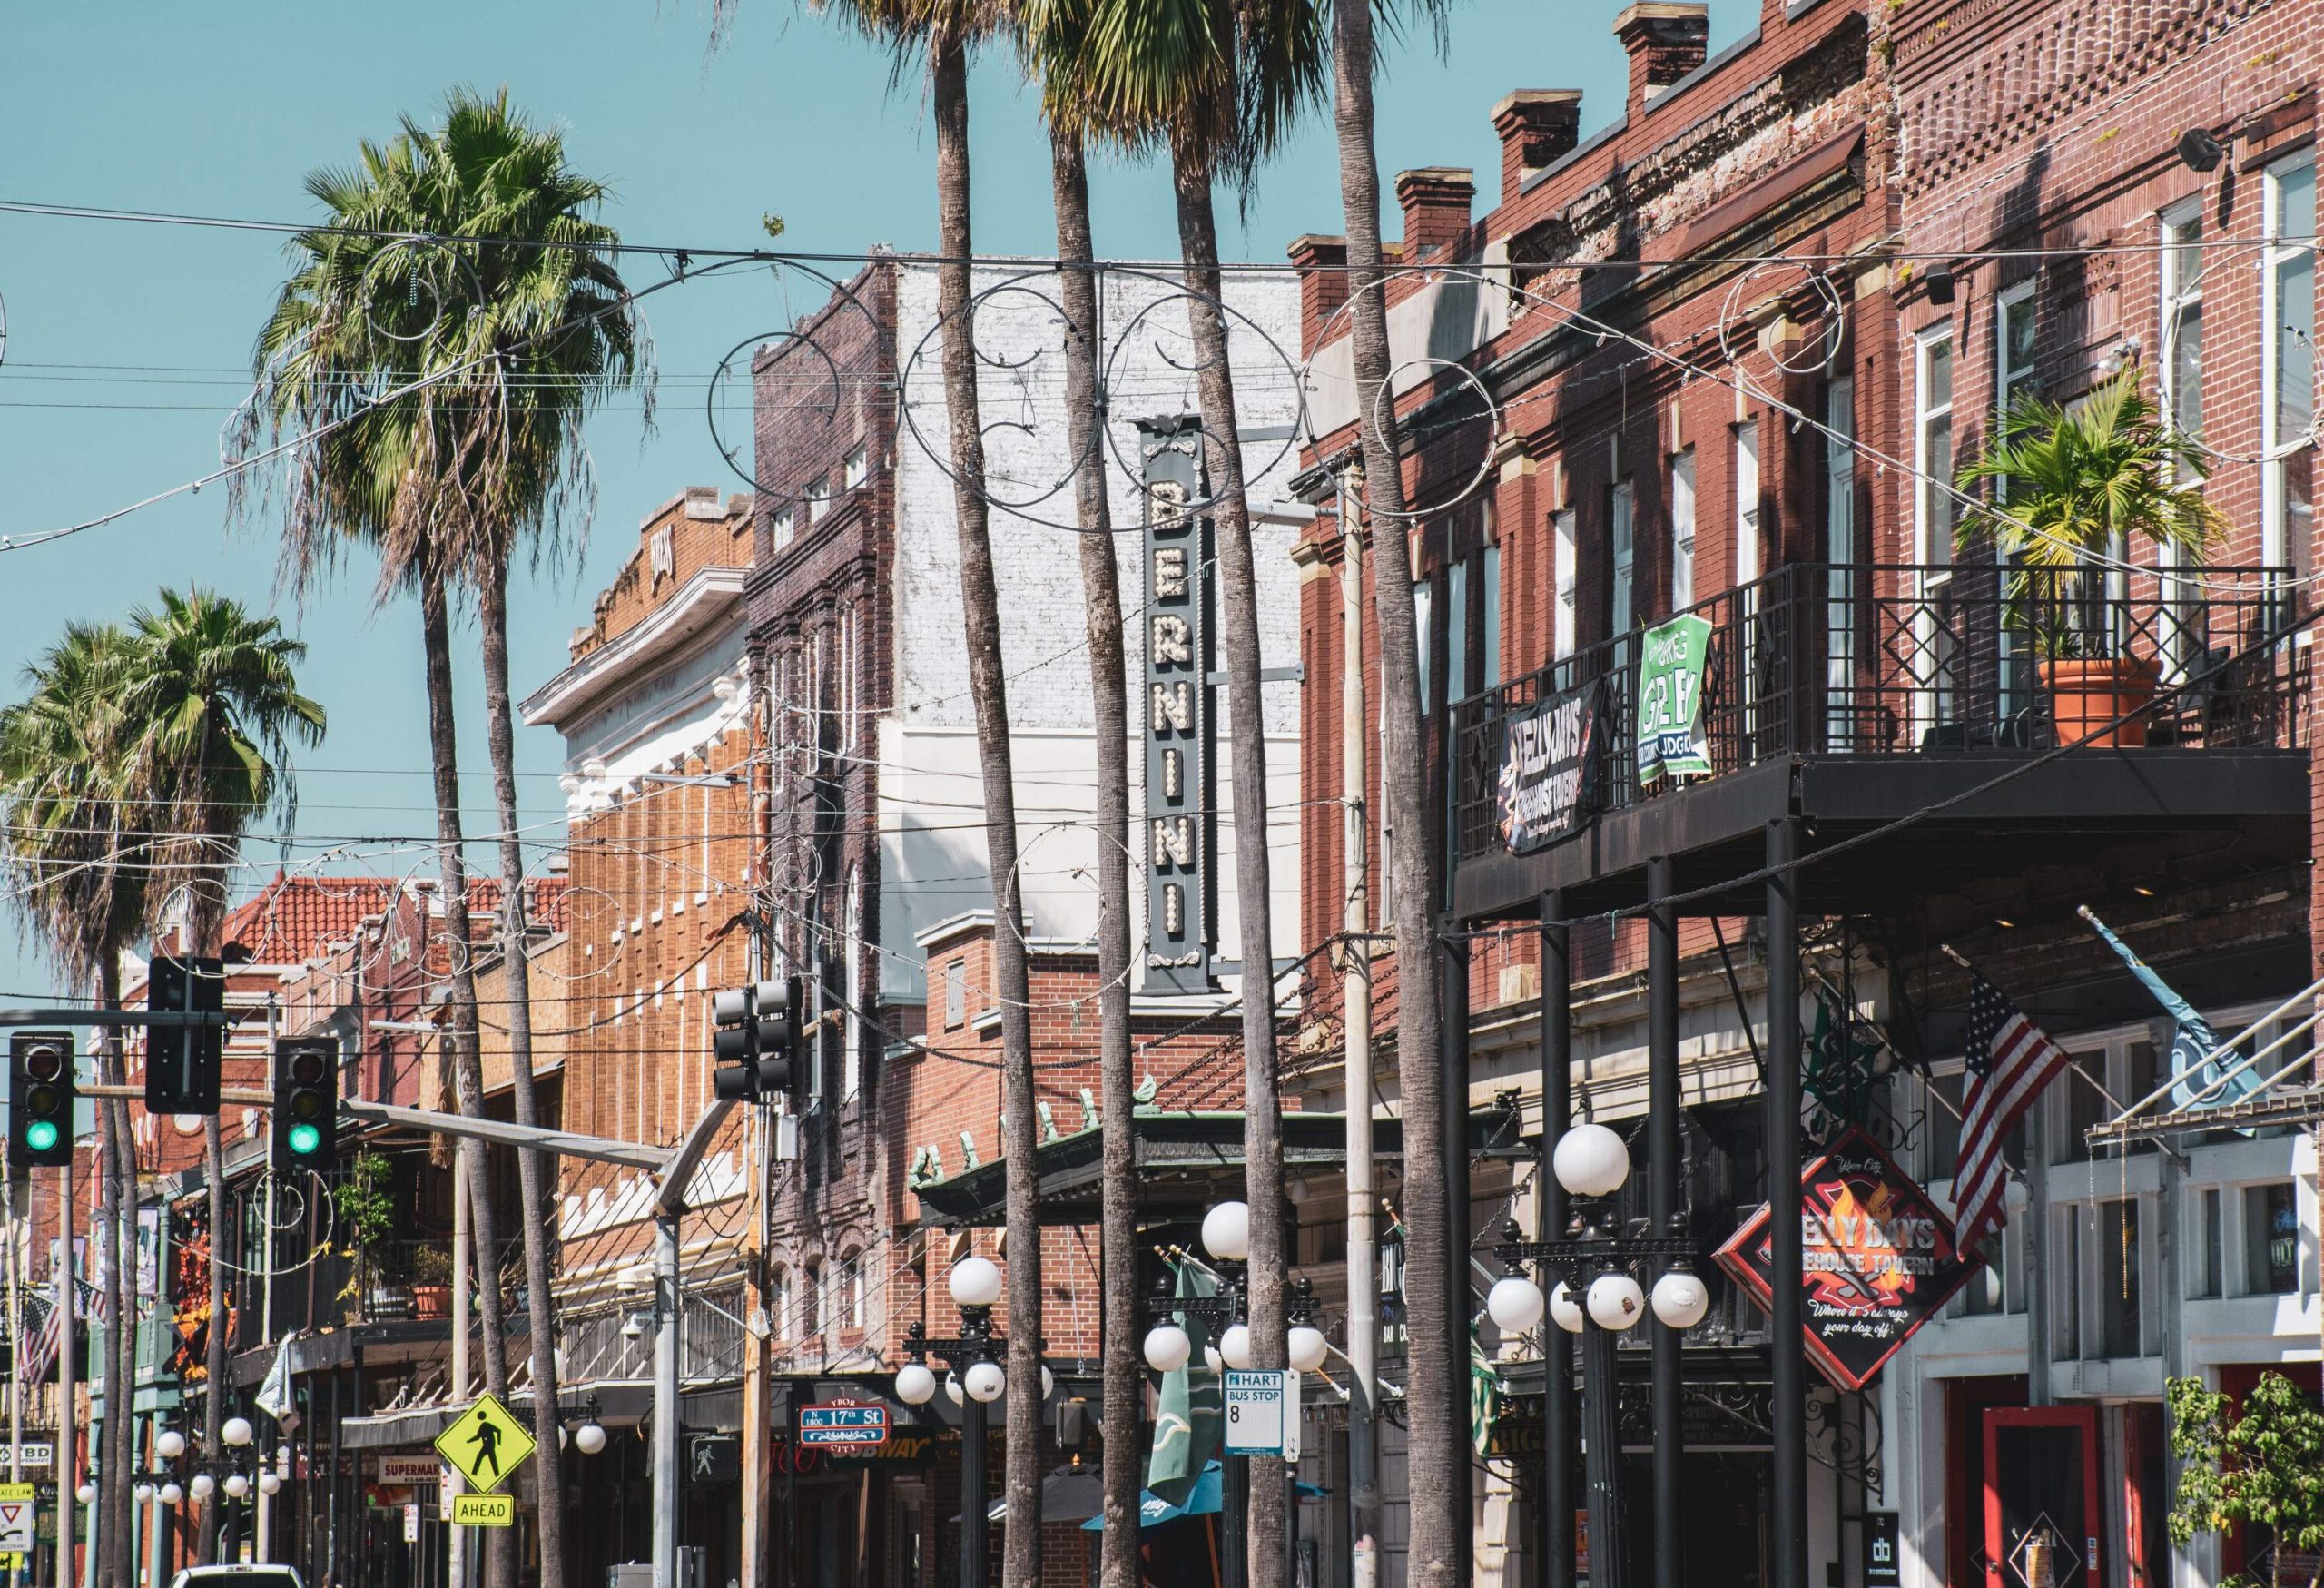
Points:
[1865,661]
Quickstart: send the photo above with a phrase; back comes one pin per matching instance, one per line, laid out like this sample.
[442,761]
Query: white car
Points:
[237,1576]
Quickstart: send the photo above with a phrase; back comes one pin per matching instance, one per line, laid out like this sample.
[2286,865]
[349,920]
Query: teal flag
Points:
[1484,1397]
[2191,1039]
[1671,740]
[1188,1416]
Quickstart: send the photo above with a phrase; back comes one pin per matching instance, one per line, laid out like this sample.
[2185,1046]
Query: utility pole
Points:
[262,1504]
[456,1560]
[16,1346]
[65,1444]
[676,1174]
[1355,981]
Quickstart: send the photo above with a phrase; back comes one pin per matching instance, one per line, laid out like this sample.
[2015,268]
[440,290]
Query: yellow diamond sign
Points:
[485,1445]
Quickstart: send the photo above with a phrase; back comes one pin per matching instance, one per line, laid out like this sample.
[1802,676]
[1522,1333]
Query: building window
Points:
[1839,556]
[1423,602]
[1932,447]
[2068,1285]
[778,1303]
[2182,361]
[956,994]
[851,1298]
[1746,502]
[853,469]
[819,1299]
[1622,537]
[2287,416]
[1456,633]
[1683,530]
[1563,561]
[851,1060]
[786,526]
[2270,1240]
[1491,613]
[2012,352]
[2210,1251]
[2117,1234]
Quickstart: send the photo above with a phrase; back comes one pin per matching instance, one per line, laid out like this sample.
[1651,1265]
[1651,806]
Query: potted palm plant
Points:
[2072,485]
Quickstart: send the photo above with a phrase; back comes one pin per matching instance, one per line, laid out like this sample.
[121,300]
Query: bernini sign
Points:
[1180,823]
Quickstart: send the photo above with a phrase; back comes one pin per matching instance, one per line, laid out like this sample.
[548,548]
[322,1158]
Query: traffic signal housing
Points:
[759,1041]
[41,1090]
[183,1062]
[305,1130]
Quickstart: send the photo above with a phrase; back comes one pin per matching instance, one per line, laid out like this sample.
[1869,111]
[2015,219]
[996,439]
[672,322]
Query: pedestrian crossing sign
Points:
[485,1443]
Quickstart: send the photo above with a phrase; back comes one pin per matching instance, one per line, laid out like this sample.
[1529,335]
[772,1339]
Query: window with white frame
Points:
[851,1060]
[1456,632]
[956,994]
[1564,563]
[2014,369]
[2272,1239]
[818,496]
[778,1302]
[2287,414]
[1423,602]
[1746,501]
[852,1286]
[1488,648]
[2179,282]
[855,468]
[1682,530]
[1622,538]
[786,527]
[1932,447]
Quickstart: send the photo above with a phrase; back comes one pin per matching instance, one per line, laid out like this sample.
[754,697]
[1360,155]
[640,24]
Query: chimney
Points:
[1536,125]
[1322,265]
[1436,200]
[1665,39]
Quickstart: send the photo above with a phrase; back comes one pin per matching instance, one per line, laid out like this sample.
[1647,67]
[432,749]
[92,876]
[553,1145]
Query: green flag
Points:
[1186,1418]
[1485,1396]
[1671,737]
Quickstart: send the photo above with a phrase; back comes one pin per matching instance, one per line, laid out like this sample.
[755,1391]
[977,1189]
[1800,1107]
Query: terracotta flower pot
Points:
[2086,695]
[431,1301]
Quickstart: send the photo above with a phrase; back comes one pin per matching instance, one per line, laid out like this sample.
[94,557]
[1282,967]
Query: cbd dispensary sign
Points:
[1878,1259]
[1544,792]
[1671,738]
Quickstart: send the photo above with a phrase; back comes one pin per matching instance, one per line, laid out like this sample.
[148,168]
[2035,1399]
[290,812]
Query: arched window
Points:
[778,1303]
[819,1290]
[851,1291]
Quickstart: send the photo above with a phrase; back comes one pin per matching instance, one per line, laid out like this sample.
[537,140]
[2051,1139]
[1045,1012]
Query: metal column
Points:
[665,1400]
[1787,1526]
[1556,1529]
[972,1499]
[1662,1163]
[1458,1307]
[1601,1435]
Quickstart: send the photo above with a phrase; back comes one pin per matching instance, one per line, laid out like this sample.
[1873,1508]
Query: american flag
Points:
[40,1352]
[2011,1059]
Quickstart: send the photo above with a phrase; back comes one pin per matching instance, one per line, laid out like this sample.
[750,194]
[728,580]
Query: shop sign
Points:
[904,1447]
[843,1423]
[1181,820]
[1879,1258]
[1671,738]
[409,1470]
[1544,791]
[1882,1568]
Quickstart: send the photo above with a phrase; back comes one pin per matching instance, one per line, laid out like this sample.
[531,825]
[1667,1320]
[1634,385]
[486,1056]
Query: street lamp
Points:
[974,1381]
[1226,1236]
[1592,1164]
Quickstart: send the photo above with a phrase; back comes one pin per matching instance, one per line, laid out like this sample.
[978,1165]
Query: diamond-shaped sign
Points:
[2043,1556]
[486,1443]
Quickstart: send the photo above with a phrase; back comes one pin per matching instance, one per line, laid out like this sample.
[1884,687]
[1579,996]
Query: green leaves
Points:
[2262,1466]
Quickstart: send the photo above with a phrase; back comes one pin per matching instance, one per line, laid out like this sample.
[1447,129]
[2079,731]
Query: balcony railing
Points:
[1856,660]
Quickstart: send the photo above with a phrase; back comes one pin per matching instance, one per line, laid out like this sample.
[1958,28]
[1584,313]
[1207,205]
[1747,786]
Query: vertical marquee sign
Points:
[1179,825]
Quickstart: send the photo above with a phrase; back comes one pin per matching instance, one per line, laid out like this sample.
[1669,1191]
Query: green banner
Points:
[1484,1398]
[1671,738]
[1189,1409]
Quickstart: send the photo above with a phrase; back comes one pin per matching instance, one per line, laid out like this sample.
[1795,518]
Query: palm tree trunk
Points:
[114,1463]
[1101,597]
[531,1167]
[1190,170]
[1435,1406]
[988,692]
[467,1067]
[214,1387]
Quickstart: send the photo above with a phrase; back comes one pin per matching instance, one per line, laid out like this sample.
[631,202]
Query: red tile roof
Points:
[293,919]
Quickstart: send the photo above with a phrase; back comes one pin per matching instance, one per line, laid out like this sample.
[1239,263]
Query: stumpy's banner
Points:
[1544,790]
[1879,1258]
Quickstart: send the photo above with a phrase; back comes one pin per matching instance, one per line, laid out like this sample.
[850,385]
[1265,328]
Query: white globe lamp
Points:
[953,1389]
[1307,1348]
[1567,1311]
[1515,1303]
[237,1431]
[915,1384]
[86,1493]
[1211,1359]
[1235,1346]
[1680,1299]
[236,1485]
[171,1494]
[169,1444]
[1589,1161]
[589,1438]
[142,1494]
[1168,1347]
[203,1485]
[1226,1232]
[1615,1301]
[975,1282]
[984,1381]
[1049,1382]
[268,1484]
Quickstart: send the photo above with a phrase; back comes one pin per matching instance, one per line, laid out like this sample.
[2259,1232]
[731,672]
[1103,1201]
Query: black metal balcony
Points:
[1860,694]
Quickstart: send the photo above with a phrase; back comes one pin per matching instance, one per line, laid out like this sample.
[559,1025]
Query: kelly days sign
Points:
[1878,1259]
[1546,760]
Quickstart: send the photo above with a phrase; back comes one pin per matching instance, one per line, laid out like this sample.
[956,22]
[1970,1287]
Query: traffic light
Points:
[758,1041]
[40,1098]
[181,1062]
[305,1130]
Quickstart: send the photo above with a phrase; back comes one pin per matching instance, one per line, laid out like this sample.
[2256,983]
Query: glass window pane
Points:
[1942,1150]
[1423,594]
[2270,1240]
[2079,1106]
[1683,530]
[2017,339]
[2118,1278]
[1492,616]
[1456,632]
[2208,1248]
[1938,392]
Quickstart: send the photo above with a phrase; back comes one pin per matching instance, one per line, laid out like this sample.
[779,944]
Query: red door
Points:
[2043,1516]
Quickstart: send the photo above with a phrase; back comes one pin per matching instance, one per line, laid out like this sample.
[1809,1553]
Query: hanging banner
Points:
[1547,756]
[1181,928]
[1879,1259]
[1671,741]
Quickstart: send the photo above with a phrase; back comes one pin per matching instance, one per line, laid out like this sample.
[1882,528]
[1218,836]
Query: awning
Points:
[621,1402]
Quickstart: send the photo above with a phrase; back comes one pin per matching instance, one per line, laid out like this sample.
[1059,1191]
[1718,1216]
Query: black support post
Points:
[973,1496]
[1662,1162]
[1234,1521]
[1601,1435]
[1788,1527]
[1556,1529]
[1458,1307]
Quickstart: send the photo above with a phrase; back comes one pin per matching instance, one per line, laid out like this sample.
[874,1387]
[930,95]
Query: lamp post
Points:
[1597,1296]
[973,1354]
[1226,1236]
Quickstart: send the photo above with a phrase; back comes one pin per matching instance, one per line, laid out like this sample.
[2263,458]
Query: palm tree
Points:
[1218,85]
[1436,1433]
[211,695]
[76,851]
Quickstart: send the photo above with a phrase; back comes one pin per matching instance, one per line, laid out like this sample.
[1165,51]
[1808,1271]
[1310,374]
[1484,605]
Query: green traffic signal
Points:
[41,1135]
[305,1139]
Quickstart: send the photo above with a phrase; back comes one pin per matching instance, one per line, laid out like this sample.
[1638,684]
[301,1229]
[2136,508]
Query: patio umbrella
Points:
[1208,1494]
[1067,1494]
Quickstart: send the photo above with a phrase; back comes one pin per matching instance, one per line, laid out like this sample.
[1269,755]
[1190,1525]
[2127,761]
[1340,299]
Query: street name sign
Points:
[845,1423]
[484,1511]
[1260,1407]
[485,1443]
[18,1517]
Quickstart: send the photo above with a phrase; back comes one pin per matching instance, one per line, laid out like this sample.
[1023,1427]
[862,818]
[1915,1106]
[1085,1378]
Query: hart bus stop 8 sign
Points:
[1263,1413]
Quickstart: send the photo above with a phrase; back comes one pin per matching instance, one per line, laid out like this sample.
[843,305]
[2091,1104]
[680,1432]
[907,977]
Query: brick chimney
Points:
[1322,265]
[1436,200]
[1536,125]
[1665,39]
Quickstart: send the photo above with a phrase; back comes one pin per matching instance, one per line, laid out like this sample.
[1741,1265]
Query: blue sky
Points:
[124,342]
